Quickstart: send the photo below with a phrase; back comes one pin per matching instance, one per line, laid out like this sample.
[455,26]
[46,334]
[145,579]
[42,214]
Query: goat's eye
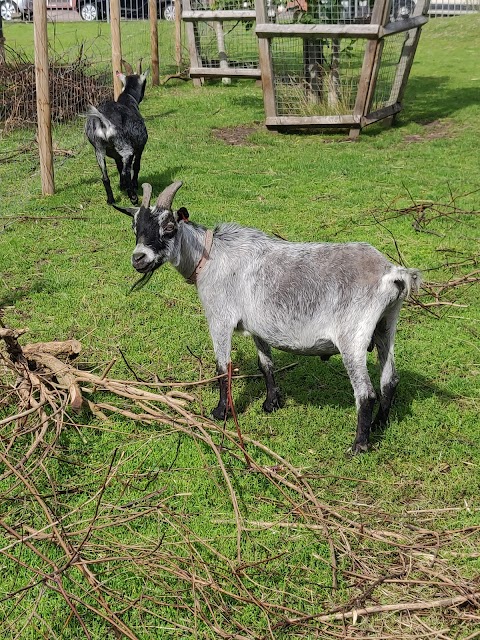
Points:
[169,229]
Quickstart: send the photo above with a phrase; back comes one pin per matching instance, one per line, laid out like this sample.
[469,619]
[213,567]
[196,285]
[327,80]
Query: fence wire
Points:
[316,76]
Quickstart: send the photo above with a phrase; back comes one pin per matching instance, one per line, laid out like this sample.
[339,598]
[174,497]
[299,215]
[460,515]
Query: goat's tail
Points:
[406,281]
[104,128]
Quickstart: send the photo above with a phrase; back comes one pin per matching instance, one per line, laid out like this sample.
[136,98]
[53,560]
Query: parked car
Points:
[134,9]
[88,9]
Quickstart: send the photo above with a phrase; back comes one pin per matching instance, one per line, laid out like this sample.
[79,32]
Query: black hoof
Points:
[359,447]
[273,405]
[219,413]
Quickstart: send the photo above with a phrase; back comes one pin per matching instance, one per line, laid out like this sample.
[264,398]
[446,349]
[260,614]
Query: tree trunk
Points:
[314,69]
[334,92]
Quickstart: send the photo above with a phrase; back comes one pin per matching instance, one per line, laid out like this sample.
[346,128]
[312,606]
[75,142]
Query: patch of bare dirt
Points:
[432,130]
[236,135]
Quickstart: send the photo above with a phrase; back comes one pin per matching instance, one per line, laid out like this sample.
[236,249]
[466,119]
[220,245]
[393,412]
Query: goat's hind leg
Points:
[136,169]
[273,400]
[100,155]
[384,337]
[355,361]
[126,178]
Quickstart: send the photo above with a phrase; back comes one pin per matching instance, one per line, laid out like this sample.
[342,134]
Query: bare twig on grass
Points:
[187,582]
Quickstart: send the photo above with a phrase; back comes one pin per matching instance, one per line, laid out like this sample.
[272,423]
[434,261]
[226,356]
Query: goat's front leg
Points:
[273,400]
[100,155]
[356,366]
[222,345]
[119,163]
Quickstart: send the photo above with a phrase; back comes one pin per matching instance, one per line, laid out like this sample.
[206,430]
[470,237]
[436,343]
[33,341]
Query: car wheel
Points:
[169,12]
[88,11]
[8,10]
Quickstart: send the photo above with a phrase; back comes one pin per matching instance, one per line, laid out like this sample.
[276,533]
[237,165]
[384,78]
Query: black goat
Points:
[117,130]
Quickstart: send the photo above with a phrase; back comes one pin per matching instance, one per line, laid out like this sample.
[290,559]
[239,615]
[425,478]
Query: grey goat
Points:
[306,298]
[117,130]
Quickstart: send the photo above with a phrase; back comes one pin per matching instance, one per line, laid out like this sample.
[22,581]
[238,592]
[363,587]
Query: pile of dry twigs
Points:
[81,543]
[73,87]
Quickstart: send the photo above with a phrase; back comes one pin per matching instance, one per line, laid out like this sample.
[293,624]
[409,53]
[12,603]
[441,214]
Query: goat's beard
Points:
[139,284]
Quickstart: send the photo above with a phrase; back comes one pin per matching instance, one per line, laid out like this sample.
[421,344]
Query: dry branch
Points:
[187,582]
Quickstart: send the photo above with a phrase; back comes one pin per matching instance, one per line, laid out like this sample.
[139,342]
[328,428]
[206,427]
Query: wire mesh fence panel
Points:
[388,79]
[316,76]
[237,40]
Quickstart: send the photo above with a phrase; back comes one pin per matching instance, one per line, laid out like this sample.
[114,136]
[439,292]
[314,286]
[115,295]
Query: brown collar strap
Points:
[205,256]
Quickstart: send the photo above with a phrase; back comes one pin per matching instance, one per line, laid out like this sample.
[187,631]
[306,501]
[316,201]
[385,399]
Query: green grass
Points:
[65,272]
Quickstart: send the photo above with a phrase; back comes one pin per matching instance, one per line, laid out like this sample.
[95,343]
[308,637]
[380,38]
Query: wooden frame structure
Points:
[199,70]
[374,34]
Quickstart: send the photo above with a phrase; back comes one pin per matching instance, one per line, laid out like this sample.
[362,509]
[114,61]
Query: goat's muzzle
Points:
[142,262]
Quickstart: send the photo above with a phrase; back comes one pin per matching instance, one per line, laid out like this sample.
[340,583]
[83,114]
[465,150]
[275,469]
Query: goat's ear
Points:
[182,214]
[122,77]
[129,211]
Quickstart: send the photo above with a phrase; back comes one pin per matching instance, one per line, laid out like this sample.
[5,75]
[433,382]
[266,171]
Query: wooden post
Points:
[2,43]
[152,12]
[116,46]
[178,35]
[370,68]
[190,28]
[44,124]
[266,66]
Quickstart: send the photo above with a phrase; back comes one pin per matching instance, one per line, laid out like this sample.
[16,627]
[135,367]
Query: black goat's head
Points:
[155,228]
[133,83]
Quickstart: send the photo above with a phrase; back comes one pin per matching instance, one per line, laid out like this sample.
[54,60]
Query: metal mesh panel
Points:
[388,80]
[236,38]
[316,76]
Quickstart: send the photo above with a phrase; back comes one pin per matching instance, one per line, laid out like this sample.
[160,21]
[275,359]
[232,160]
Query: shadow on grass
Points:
[16,294]
[320,384]
[427,98]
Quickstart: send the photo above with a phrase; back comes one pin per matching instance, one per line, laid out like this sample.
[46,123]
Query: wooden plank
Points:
[308,121]
[407,56]
[371,60]
[403,25]
[270,30]
[226,72]
[380,114]
[193,16]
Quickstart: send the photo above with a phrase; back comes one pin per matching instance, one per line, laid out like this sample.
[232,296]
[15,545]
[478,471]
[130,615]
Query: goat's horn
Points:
[147,194]
[165,199]
[128,67]
[139,67]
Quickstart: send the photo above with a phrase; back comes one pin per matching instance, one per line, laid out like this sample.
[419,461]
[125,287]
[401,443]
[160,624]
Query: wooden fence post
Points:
[178,35]
[152,12]
[2,43]
[116,46]
[44,124]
